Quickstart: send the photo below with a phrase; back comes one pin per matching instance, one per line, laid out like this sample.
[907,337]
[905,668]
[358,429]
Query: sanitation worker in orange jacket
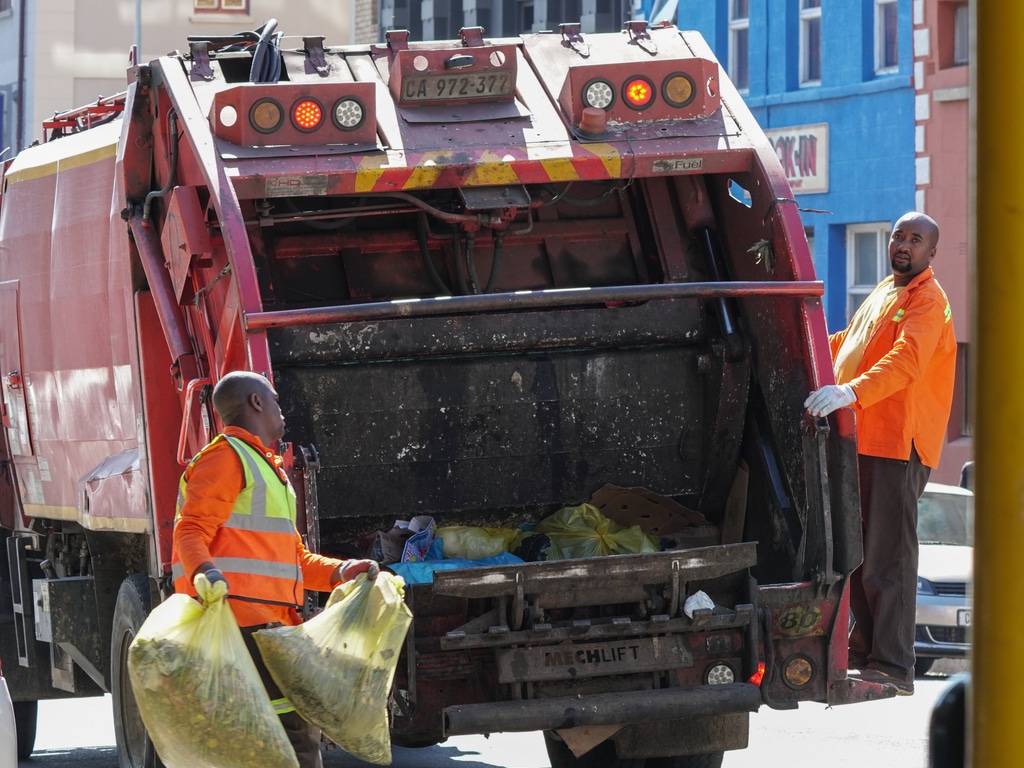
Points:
[236,523]
[894,366]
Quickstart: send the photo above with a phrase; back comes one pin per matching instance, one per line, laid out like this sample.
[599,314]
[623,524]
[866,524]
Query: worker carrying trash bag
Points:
[337,668]
[236,523]
[198,690]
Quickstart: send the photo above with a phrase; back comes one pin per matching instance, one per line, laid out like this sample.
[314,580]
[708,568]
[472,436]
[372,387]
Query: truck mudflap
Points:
[620,708]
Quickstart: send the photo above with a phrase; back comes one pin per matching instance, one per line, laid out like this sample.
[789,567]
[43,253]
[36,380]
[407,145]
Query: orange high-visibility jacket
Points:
[904,383]
[236,509]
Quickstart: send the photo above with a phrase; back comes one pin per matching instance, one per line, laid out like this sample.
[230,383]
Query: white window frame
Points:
[737,25]
[809,15]
[857,292]
[221,6]
[881,6]
[961,34]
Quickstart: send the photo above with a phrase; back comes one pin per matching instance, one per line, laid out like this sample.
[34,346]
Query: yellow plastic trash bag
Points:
[470,543]
[337,668]
[198,690]
[583,531]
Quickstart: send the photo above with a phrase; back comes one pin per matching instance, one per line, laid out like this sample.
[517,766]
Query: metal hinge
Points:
[573,38]
[639,36]
[316,61]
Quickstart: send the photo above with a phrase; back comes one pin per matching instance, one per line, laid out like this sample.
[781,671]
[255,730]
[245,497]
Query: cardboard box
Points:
[656,515]
[408,541]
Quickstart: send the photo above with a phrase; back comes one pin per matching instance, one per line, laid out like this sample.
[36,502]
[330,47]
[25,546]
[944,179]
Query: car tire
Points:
[26,718]
[921,666]
[134,747]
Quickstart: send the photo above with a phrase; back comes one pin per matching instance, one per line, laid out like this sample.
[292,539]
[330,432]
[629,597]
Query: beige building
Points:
[60,54]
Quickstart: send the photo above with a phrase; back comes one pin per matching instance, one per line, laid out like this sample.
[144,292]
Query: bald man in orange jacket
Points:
[895,366]
[236,523]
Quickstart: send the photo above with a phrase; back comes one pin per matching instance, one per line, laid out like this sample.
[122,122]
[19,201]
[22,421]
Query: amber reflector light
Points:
[678,90]
[266,115]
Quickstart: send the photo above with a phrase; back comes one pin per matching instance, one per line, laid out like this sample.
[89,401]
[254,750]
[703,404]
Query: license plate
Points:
[481,85]
[569,661]
[963,617]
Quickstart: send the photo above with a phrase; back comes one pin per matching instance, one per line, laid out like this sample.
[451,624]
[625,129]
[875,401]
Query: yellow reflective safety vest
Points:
[255,548]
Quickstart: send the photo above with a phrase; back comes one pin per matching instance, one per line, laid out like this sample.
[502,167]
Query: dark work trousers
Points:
[305,738]
[883,590]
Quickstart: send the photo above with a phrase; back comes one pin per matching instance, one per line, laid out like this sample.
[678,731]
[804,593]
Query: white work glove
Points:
[821,402]
[352,568]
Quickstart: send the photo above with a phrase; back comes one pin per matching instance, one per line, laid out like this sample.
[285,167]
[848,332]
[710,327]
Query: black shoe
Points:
[856,662]
[903,687]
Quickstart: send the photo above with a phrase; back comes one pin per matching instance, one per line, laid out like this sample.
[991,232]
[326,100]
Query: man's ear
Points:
[256,401]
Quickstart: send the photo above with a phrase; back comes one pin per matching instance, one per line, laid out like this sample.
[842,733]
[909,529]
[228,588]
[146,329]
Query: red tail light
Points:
[307,115]
[759,675]
[638,92]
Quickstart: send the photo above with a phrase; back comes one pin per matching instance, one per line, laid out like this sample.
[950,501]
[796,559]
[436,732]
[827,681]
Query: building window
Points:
[739,46]
[953,33]
[886,36]
[219,6]
[867,262]
[961,34]
[810,42]
[525,13]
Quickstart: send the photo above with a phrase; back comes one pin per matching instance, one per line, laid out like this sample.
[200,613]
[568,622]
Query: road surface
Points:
[80,734]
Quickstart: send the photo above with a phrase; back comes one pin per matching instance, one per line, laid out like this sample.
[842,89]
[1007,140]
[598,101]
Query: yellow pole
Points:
[996,699]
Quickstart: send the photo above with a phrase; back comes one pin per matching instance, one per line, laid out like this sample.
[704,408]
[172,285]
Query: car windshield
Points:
[946,518]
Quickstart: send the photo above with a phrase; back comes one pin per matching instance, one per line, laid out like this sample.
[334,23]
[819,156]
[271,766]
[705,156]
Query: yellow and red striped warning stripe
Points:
[379,173]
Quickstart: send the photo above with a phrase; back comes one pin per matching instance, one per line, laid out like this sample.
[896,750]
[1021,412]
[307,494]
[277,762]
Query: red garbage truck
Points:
[490,278]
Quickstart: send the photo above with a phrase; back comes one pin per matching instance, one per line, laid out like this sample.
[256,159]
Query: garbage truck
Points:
[491,279]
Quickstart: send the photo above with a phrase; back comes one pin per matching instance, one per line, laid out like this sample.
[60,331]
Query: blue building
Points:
[832,83]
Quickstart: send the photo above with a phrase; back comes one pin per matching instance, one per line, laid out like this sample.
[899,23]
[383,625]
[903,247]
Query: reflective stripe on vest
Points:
[282,706]
[265,506]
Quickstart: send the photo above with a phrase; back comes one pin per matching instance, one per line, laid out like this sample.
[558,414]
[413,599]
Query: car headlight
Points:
[924,587]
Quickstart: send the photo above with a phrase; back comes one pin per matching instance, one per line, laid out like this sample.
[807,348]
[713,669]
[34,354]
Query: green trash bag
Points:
[583,531]
[337,668]
[198,690]
[470,543]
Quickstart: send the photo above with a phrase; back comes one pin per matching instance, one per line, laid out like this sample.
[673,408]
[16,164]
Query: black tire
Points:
[921,666]
[26,717]
[134,748]
[708,760]
[601,756]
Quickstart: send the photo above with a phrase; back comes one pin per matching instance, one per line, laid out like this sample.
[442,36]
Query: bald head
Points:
[248,400]
[920,222]
[912,246]
[232,393]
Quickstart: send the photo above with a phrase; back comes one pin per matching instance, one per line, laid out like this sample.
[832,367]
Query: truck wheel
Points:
[134,748]
[26,716]
[709,760]
[601,756]
[921,666]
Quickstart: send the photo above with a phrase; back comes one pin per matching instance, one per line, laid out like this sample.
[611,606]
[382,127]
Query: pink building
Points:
[941,78]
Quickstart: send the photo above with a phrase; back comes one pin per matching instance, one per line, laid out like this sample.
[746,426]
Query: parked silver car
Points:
[8,729]
[945,530]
